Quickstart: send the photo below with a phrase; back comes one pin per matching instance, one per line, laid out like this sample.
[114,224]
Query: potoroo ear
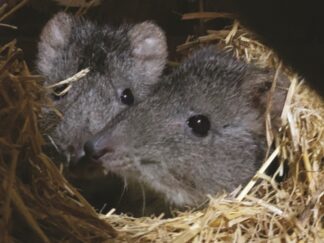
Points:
[55,36]
[258,89]
[149,48]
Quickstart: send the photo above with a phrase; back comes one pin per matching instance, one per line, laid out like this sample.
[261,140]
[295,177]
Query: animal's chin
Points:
[85,168]
[115,164]
[93,168]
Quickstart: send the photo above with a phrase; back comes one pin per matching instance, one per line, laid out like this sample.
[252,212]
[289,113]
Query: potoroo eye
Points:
[127,97]
[199,125]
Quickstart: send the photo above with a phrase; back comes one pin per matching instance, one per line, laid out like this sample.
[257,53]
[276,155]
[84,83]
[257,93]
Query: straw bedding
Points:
[38,204]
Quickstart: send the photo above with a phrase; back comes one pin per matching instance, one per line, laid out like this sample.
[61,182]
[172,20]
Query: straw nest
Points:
[38,204]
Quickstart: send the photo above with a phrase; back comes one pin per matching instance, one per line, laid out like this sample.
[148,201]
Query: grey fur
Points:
[131,56]
[152,144]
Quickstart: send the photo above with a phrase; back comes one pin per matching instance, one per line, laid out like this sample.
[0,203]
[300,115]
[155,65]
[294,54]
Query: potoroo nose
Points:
[96,147]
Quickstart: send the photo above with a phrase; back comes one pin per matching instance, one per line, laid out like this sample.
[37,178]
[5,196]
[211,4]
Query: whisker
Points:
[103,208]
[144,199]
[124,190]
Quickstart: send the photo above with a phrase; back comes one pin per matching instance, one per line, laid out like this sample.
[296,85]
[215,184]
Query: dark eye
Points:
[199,124]
[127,97]
[58,90]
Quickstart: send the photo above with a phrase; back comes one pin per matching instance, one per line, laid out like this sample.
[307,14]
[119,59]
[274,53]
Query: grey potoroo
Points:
[124,63]
[201,132]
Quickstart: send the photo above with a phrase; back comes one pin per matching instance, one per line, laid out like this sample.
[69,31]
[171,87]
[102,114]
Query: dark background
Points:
[292,28]
[167,13]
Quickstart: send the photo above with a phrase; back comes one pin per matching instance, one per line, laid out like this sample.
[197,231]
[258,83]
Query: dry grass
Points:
[38,204]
